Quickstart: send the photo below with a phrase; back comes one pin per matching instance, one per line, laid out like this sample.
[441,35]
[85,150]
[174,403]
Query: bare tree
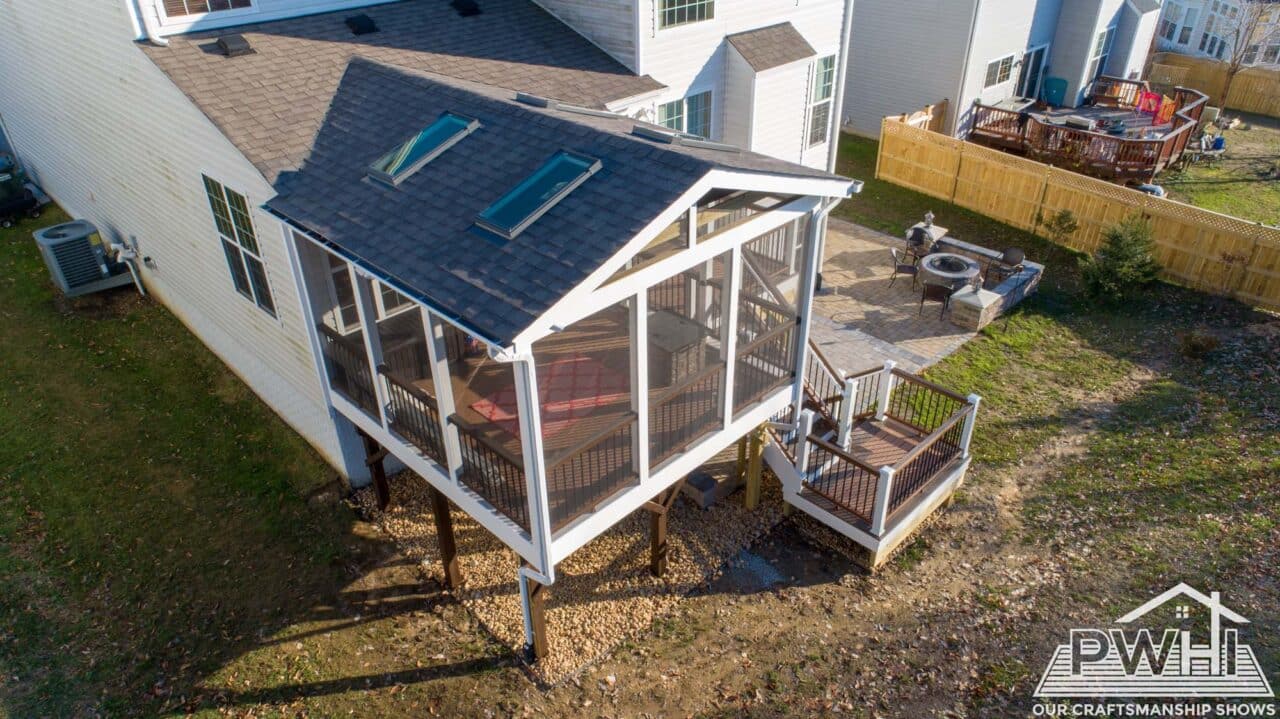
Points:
[1255,25]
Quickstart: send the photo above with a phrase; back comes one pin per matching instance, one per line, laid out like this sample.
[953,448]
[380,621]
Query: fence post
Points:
[880,511]
[966,435]
[886,386]
[845,423]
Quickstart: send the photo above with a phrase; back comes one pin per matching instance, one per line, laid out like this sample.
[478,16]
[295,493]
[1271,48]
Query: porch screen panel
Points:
[686,360]
[588,424]
[671,240]
[720,210]
[488,421]
[346,360]
[412,408]
[767,316]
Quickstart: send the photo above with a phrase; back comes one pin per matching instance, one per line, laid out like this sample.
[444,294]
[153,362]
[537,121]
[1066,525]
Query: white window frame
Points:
[690,7]
[1101,53]
[192,18]
[1171,19]
[262,297]
[816,102]
[1044,65]
[999,63]
[1188,29]
[682,104]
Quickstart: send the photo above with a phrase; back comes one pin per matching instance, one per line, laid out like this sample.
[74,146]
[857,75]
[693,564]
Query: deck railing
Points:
[921,404]
[492,472]
[1094,153]
[764,364]
[414,415]
[925,460]
[583,475]
[840,478]
[684,413]
[348,368]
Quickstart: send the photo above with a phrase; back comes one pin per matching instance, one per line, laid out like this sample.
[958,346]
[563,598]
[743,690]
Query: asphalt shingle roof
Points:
[421,234]
[774,46]
[271,103]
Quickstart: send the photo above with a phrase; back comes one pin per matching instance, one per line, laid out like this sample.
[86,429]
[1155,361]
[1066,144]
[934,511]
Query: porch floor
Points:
[1135,122]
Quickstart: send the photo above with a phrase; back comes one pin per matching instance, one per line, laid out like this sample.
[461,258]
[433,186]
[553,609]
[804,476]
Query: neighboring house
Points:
[908,54]
[434,238]
[1208,29]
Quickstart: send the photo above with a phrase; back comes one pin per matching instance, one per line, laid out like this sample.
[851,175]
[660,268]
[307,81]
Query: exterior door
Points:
[1032,72]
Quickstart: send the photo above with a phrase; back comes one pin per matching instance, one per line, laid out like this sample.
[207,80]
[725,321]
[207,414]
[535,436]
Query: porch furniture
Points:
[1008,265]
[902,265]
[949,270]
[675,347]
[936,293]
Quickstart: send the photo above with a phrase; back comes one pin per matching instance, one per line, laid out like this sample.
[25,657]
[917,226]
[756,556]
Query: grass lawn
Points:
[167,547]
[1245,182]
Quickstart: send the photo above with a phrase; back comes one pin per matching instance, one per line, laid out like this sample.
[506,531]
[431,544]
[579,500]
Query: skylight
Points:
[393,167]
[538,193]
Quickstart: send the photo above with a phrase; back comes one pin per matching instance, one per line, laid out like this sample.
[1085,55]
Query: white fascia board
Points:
[507,531]
[253,15]
[621,105]
[573,537]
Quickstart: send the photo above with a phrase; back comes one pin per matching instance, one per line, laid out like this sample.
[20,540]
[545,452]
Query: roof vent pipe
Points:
[466,8]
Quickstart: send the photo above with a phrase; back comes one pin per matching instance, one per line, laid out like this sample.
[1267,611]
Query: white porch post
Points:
[880,511]
[366,307]
[640,382]
[886,386]
[845,423]
[805,428]
[729,330]
[442,382]
[534,461]
[966,435]
[804,301]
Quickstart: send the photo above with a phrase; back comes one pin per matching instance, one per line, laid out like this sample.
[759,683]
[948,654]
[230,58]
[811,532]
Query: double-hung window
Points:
[998,71]
[234,222]
[1169,25]
[682,12]
[183,8]
[824,81]
[1188,25]
[691,114]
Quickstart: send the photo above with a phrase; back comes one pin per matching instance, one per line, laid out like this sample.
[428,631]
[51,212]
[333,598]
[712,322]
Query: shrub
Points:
[1058,227]
[1196,345]
[1123,265]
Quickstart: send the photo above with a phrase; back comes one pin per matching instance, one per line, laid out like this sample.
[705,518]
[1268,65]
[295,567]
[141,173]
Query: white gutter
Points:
[842,71]
[968,58]
[148,16]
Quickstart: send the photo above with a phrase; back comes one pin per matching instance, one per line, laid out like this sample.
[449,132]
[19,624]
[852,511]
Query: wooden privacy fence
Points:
[1253,89]
[1206,250]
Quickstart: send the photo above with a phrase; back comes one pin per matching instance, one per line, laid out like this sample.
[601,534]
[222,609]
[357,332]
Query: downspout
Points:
[968,59]
[842,71]
[145,11]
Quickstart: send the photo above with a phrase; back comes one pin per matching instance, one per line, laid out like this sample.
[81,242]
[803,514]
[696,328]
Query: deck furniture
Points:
[936,293]
[675,347]
[1009,264]
[902,265]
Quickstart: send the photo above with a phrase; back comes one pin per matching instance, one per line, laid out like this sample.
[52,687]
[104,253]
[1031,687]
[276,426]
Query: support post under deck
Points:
[444,536]
[374,455]
[535,606]
[658,508]
[755,467]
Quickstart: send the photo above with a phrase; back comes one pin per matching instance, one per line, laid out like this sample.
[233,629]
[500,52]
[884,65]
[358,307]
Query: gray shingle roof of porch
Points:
[421,234]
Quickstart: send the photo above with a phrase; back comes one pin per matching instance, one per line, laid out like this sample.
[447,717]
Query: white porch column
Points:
[366,307]
[534,461]
[729,330]
[640,381]
[804,429]
[442,382]
[880,511]
[886,386]
[804,302]
[845,424]
[966,434]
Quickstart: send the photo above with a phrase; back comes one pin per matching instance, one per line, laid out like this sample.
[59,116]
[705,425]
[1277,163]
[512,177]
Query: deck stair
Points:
[873,454]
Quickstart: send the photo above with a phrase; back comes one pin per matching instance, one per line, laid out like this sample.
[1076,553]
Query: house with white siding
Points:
[908,54]
[1211,28]
[550,257]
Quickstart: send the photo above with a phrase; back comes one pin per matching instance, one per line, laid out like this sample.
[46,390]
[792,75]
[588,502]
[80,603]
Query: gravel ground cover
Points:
[604,594]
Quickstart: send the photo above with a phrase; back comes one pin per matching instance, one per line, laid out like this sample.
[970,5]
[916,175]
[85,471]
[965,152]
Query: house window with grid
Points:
[682,12]
[234,222]
[824,80]
[1188,25]
[691,114]
[998,71]
[183,8]
[1169,25]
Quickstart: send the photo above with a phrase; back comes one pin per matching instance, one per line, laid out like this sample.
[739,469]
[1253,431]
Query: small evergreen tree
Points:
[1124,264]
[1059,227]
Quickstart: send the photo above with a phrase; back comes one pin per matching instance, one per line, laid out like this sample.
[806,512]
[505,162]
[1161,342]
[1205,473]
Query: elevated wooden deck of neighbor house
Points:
[1131,155]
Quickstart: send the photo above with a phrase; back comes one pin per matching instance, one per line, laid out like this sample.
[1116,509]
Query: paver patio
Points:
[860,321]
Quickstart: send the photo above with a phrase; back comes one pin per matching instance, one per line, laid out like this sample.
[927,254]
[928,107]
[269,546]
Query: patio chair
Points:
[903,266]
[936,293]
[1008,265]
